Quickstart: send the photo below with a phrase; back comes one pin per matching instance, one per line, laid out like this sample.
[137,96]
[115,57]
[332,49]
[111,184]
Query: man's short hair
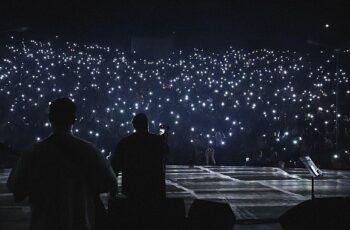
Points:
[62,111]
[140,122]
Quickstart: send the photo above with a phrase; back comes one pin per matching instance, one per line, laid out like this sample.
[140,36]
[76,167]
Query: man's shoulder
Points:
[154,137]
[137,136]
[71,141]
[129,137]
[82,142]
[37,146]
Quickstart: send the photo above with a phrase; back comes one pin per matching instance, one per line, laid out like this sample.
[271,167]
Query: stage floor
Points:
[254,193]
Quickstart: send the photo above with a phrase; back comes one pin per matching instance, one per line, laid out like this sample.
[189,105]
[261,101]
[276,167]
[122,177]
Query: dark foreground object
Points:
[125,214]
[205,214]
[320,213]
[258,195]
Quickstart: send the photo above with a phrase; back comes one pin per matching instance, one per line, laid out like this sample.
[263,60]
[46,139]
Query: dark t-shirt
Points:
[140,158]
[62,175]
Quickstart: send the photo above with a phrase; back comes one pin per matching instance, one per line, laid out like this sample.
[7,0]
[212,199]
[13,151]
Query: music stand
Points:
[314,171]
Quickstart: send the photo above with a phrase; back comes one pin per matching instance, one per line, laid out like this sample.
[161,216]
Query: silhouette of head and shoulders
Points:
[62,175]
[139,157]
[62,116]
[61,145]
[141,127]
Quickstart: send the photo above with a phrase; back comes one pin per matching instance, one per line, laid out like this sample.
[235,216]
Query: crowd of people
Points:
[249,107]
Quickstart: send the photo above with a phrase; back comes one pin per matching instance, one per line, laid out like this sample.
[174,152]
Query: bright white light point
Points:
[227,118]
[192,129]
[335,156]
[38,138]
[326,25]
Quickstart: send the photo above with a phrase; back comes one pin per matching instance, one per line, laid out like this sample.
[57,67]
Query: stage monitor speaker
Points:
[205,215]
[124,214]
[320,213]
[175,214]
[118,214]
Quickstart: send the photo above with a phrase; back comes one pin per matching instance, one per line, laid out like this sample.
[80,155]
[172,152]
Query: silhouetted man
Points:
[140,159]
[62,176]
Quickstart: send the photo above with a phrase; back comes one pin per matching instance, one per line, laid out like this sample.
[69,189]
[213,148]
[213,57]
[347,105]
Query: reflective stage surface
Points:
[254,193]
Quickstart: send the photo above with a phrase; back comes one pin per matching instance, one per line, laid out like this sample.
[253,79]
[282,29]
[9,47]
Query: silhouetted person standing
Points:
[140,159]
[62,176]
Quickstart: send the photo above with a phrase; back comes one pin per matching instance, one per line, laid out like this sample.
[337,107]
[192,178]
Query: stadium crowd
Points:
[253,107]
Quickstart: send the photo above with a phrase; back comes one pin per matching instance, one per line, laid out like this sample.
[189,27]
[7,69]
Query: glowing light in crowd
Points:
[217,96]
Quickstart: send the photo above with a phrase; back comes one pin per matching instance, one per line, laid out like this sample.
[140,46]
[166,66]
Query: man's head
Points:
[140,122]
[62,113]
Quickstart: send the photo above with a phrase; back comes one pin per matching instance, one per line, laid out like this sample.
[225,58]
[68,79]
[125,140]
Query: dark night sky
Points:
[250,20]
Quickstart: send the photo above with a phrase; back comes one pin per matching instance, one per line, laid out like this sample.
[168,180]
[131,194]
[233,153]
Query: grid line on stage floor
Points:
[254,193]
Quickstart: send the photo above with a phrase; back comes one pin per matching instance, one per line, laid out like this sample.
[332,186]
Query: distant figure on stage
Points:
[140,159]
[62,176]
[210,156]
[198,151]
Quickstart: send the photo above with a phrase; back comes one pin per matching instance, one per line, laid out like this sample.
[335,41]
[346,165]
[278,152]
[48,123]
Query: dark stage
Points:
[256,194]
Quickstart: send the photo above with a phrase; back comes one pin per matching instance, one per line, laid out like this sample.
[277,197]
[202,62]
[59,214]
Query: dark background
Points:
[244,23]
